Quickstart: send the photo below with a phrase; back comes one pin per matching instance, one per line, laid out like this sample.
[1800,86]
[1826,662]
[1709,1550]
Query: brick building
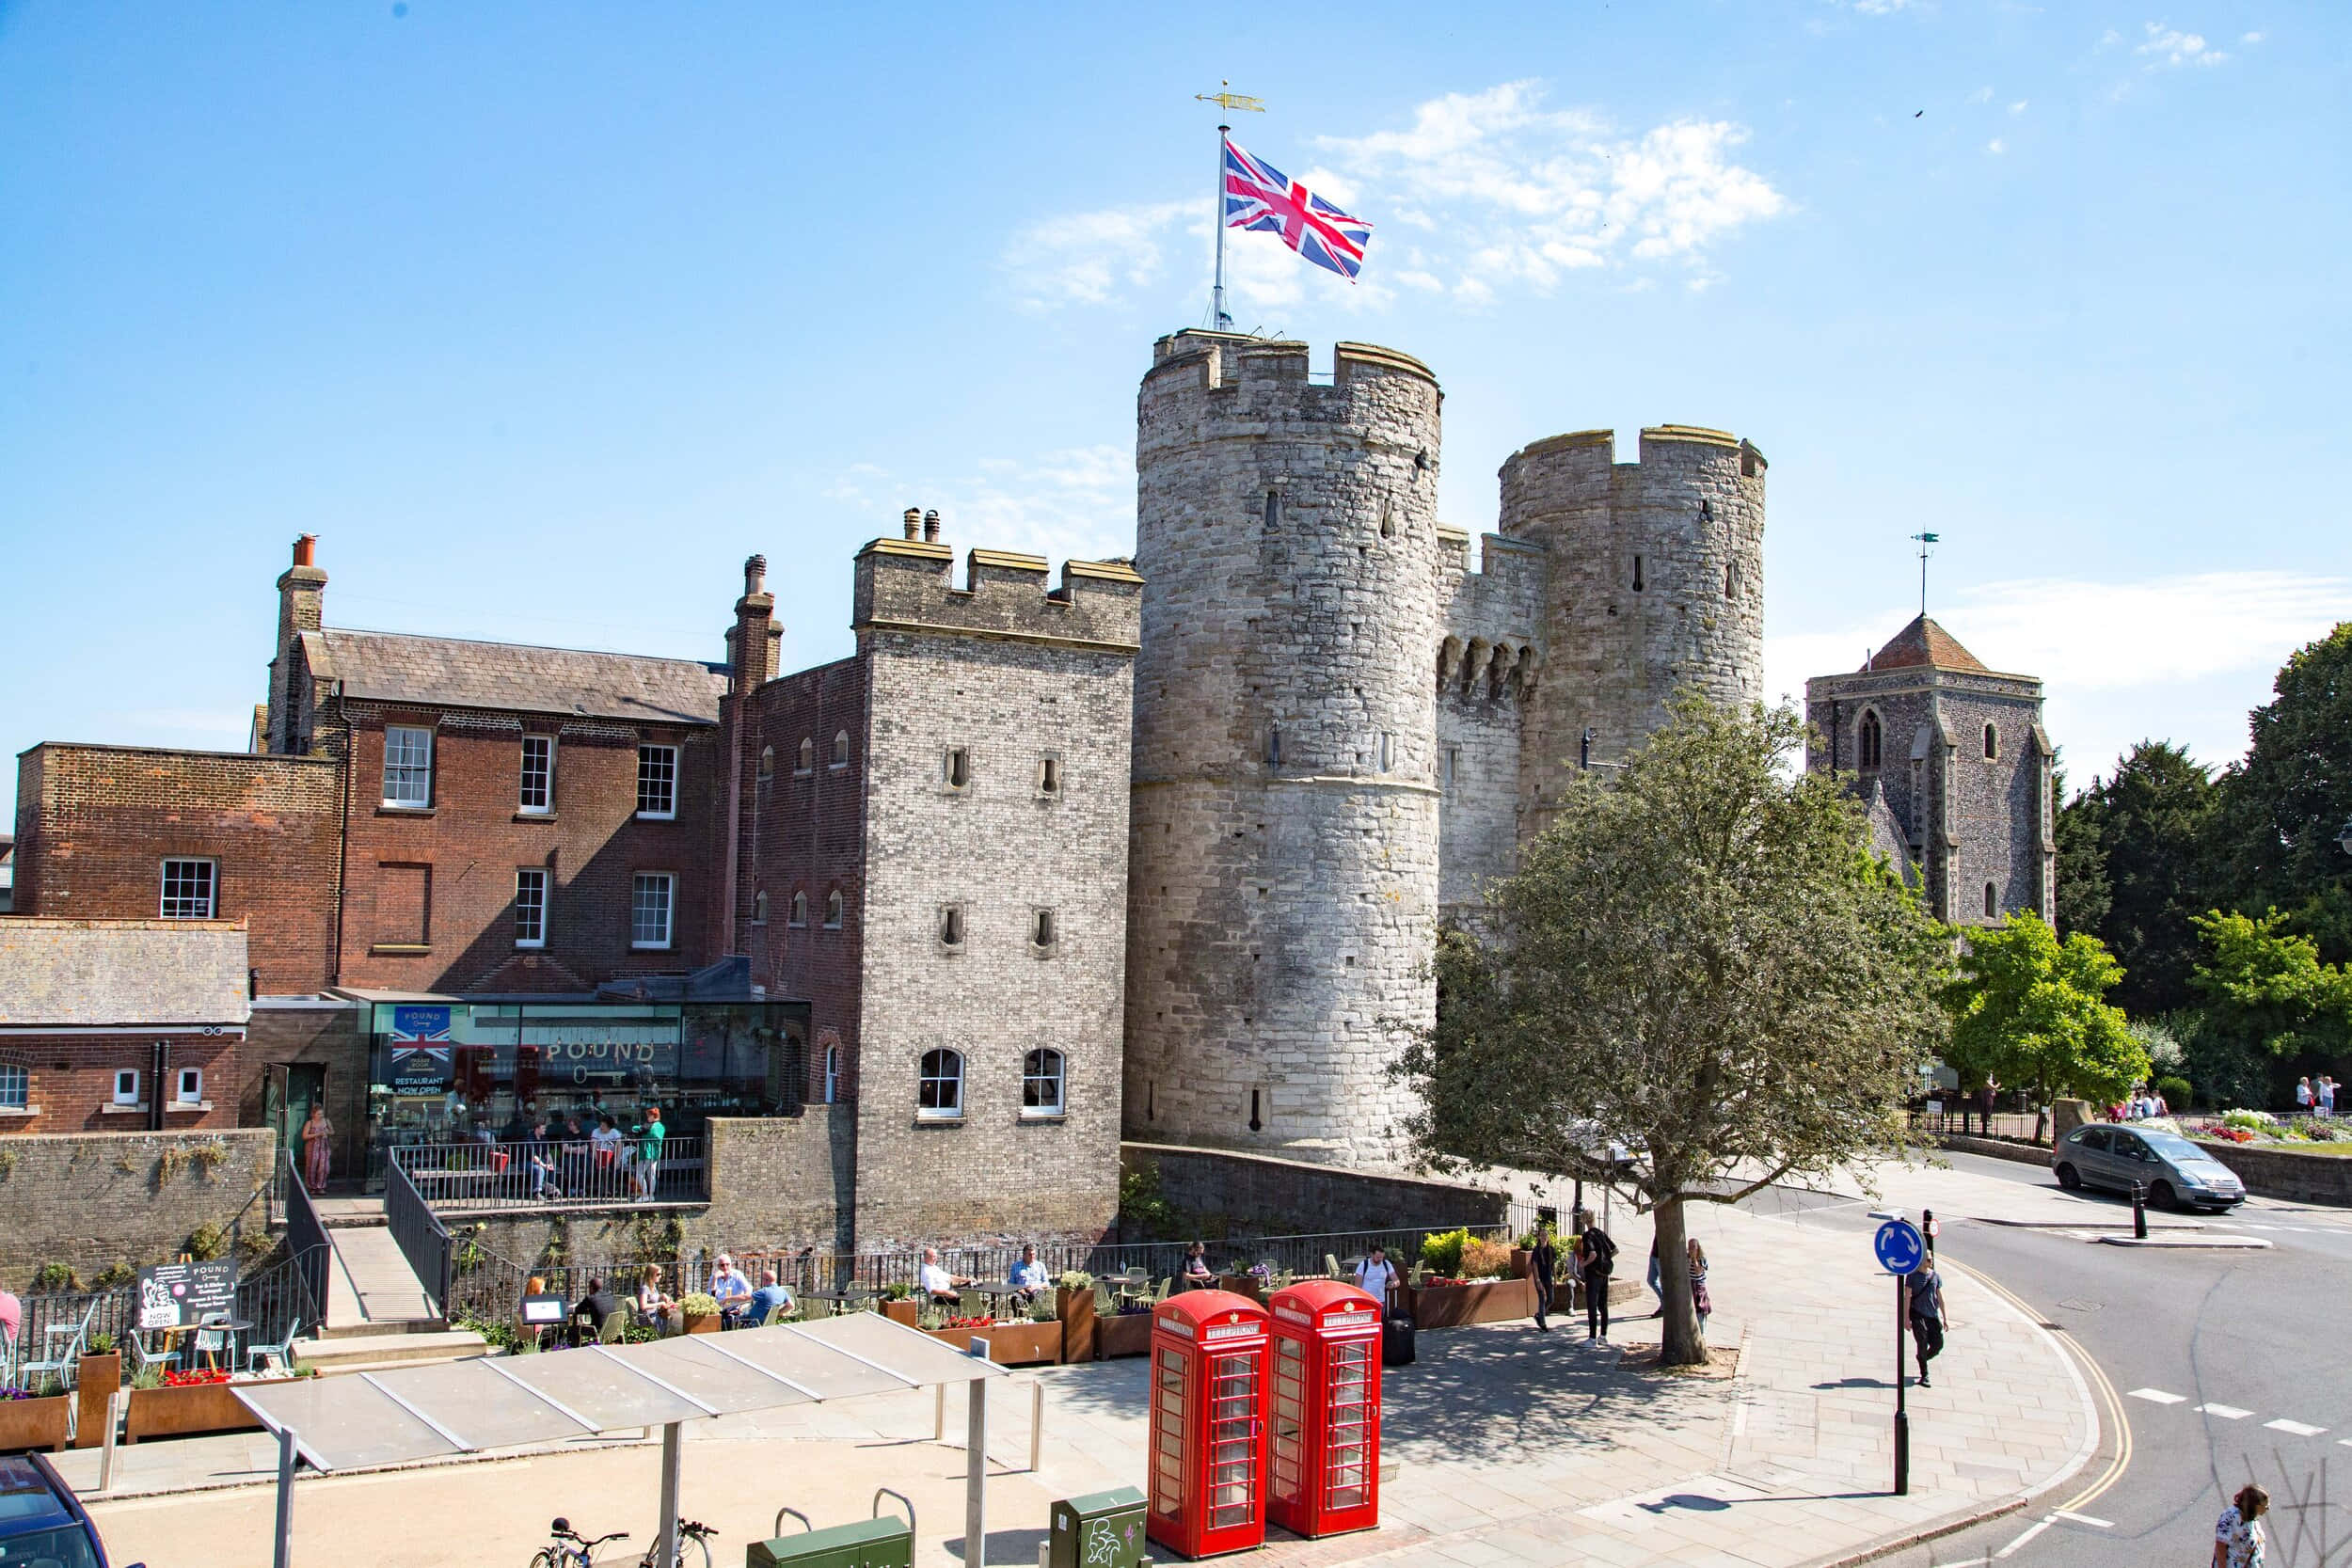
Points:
[119,1025]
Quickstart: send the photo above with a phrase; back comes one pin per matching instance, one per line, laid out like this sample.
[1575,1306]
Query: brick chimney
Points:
[752,645]
[301,590]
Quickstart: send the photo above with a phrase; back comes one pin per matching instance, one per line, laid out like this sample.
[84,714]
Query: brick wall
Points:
[1261,1194]
[309,1029]
[71,1078]
[95,824]
[88,1199]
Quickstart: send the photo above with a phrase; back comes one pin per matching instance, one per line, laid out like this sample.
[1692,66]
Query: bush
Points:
[2174,1091]
[699,1304]
[1076,1279]
[51,1278]
[207,1242]
[1484,1260]
[1441,1254]
[2250,1121]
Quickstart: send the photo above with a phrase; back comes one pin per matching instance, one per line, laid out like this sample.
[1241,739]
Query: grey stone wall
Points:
[90,1199]
[1256,1194]
[1284,862]
[1488,666]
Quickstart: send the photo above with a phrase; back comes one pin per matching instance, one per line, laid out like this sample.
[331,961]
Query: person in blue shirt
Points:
[1028,1276]
[769,1299]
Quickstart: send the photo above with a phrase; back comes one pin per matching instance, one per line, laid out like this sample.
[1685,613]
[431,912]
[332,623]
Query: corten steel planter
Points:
[1028,1344]
[1075,1308]
[1122,1334]
[94,1383]
[1247,1285]
[35,1423]
[1522,1262]
[178,1412]
[703,1323]
[1481,1301]
[956,1339]
[908,1312]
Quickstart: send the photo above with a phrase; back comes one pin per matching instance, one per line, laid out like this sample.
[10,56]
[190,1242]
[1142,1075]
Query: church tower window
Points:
[1869,742]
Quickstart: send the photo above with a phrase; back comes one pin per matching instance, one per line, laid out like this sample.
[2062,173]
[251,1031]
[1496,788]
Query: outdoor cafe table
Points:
[233,1327]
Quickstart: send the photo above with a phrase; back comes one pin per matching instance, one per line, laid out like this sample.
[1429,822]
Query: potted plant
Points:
[1475,1289]
[34,1417]
[96,1378]
[178,1404]
[699,1309]
[1033,1341]
[1074,1304]
[898,1305]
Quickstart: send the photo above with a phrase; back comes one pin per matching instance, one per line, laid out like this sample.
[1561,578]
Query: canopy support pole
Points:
[976,1473]
[286,1463]
[671,1464]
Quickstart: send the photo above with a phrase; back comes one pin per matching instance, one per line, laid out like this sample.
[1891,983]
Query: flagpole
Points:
[1218,320]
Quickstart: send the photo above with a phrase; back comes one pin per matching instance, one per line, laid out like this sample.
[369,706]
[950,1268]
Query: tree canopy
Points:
[1698,961]
[2030,1008]
[2266,987]
[2283,806]
[2152,816]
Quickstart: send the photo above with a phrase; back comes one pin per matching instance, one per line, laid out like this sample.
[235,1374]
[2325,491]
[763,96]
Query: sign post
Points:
[1900,1251]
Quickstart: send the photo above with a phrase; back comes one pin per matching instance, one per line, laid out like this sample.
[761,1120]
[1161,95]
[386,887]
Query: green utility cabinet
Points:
[1103,1530]
[868,1544]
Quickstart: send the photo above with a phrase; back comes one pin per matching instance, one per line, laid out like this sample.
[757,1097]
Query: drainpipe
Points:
[342,842]
[159,1063]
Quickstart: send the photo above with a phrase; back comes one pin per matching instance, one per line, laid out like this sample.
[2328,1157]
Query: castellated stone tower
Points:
[1283,876]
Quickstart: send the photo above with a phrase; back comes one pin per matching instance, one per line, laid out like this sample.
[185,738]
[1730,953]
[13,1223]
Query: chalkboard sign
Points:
[181,1295]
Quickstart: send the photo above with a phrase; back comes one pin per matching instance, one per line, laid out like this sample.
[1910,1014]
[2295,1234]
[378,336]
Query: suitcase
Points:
[1396,1342]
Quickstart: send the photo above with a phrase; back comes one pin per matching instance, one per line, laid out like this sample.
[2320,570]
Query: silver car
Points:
[2175,1172]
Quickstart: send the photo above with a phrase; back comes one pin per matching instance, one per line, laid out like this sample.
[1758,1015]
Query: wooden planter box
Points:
[1026,1344]
[703,1323]
[94,1383]
[178,1412]
[1123,1334]
[907,1312]
[1243,1285]
[1075,1308]
[1484,1301]
[34,1423]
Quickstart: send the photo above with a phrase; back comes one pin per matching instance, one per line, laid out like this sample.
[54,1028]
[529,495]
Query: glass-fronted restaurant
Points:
[445,1069]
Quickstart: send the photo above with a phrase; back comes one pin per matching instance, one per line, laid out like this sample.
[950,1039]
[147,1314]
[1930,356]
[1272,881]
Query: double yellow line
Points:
[2109,1398]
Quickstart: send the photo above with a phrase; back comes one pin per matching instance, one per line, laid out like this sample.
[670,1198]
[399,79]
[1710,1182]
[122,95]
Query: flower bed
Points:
[188,1403]
[1450,1303]
[1012,1344]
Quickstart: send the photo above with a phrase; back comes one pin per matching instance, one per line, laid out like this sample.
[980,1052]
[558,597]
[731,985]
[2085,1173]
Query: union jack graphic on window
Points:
[1258,196]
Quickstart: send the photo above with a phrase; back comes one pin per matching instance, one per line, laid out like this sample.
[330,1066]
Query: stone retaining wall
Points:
[2282,1174]
[90,1199]
[1256,1194]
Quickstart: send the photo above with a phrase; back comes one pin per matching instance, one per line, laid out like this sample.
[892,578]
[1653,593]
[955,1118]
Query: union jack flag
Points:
[1258,196]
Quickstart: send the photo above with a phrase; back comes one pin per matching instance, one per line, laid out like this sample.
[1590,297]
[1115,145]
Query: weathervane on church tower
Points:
[1923,541]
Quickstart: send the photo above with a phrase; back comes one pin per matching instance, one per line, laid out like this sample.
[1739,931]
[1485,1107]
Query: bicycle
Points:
[570,1549]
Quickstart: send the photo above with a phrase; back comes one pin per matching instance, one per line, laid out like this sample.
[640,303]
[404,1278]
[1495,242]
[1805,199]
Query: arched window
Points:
[1868,741]
[832,1074]
[833,908]
[1991,742]
[1991,902]
[1041,1084]
[799,908]
[760,908]
[807,763]
[939,1087]
[1041,928]
[767,762]
[841,748]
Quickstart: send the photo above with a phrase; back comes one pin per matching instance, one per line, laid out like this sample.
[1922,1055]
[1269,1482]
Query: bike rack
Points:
[777,1529]
[882,1491]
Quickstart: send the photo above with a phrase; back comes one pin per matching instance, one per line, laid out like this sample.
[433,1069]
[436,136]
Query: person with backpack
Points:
[1923,1288]
[1595,1260]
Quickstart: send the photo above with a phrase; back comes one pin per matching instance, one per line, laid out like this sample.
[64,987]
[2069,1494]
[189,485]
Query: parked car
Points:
[41,1520]
[2175,1172]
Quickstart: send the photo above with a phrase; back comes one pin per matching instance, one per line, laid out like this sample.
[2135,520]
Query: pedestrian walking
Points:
[2238,1537]
[1376,1276]
[1701,1302]
[2303,1095]
[1657,1279]
[1925,1308]
[1542,1261]
[1595,1260]
[1930,1228]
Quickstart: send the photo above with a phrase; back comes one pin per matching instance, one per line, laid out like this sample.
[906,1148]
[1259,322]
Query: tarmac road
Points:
[2225,1365]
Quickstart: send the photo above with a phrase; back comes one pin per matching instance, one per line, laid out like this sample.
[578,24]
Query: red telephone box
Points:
[1325,1431]
[1208,1423]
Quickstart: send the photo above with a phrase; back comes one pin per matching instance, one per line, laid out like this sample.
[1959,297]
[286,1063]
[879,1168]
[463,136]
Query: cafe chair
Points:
[258,1357]
[212,1337]
[615,1326]
[62,1354]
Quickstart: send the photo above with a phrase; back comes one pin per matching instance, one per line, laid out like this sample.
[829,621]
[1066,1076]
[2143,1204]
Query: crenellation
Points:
[905,583]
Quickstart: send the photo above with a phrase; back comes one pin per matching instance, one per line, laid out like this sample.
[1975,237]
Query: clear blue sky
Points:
[544,316]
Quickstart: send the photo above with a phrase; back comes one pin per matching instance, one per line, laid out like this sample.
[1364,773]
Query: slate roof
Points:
[1925,643]
[131,973]
[394,667]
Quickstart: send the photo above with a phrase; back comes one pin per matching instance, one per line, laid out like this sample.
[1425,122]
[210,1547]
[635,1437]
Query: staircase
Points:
[377,1313]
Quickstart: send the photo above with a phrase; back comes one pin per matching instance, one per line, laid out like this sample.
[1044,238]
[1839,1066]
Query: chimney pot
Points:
[930,528]
[915,522]
[755,575]
[306,550]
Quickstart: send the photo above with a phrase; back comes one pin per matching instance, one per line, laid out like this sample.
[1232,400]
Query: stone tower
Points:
[1654,581]
[1283,875]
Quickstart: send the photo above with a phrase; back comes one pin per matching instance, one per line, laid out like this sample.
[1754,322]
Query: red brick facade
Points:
[71,1075]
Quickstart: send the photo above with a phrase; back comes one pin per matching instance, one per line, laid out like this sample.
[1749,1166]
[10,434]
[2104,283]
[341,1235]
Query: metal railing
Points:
[2017,1125]
[306,1238]
[275,1300]
[472,1176]
[286,1298]
[421,1237]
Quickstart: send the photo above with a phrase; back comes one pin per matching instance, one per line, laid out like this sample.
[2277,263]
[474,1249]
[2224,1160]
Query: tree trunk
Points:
[1681,1344]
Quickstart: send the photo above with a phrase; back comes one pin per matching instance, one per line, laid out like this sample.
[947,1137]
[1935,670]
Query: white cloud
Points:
[1075,503]
[2018,107]
[2249,38]
[1480,193]
[1997,147]
[1880,8]
[2168,46]
[1982,95]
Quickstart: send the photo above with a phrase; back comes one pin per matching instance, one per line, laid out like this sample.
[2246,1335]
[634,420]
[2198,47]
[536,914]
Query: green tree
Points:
[2030,1008]
[2266,987]
[1699,962]
[2283,806]
[2084,892]
[2154,815]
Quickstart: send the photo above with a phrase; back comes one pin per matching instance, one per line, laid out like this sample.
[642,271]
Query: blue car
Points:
[41,1522]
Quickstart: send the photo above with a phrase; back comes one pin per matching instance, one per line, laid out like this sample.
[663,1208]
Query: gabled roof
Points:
[394,667]
[1924,643]
[82,974]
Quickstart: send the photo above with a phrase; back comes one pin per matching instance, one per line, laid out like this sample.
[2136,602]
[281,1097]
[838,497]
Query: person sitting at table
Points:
[730,1290]
[543,1184]
[772,1300]
[1028,1279]
[604,1154]
[938,1283]
[1196,1270]
[594,1308]
[654,1305]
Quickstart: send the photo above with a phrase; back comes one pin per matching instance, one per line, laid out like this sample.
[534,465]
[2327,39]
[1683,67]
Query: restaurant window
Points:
[651,900]
[188,1089]
[1041,1084]
[537,796]
[531,908]
[407,767]
[657,782]
[939,1089]
[126,1085]
[188,890]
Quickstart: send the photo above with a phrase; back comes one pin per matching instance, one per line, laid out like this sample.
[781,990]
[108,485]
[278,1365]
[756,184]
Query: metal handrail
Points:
[306,1237]
[419,1235]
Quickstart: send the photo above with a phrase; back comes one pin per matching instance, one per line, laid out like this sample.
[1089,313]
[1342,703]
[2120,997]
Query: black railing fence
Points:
[471,1177]
[421,1237]
[275,1299]
[305,1239]
[2018,1125]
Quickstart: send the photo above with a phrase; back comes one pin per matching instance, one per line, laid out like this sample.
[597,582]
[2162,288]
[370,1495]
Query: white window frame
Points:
[650,753]
[951,1065]
[1044,1056]
[164,900]
[126,1090]
[547,779]
[16,1087]
[641,884]
[187,1087]
[833,1075]
[420,773]
[537,906]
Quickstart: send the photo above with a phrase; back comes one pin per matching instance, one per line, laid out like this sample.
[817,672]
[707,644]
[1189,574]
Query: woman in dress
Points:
[2237,1536]
[316,1151]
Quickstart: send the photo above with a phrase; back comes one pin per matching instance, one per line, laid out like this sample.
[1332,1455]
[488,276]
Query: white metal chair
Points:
[62,1363]
[211,1336]
[258,1357]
